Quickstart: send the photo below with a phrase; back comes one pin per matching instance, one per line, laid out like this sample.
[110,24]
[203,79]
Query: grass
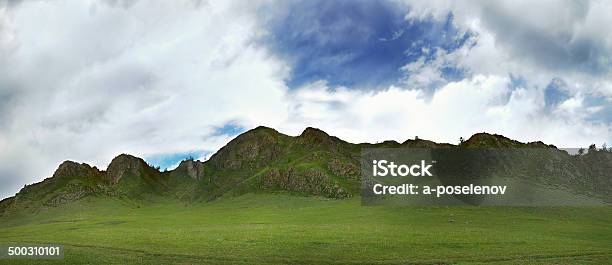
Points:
[285,229]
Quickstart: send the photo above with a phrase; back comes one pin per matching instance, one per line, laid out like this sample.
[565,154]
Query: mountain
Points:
[264,160]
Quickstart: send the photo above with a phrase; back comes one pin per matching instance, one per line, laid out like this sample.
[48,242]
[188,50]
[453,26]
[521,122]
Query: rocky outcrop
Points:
[125,165]
[74,169]
[420,143]
[485,140]
[316,138]
[310,181]
[253,149]
[70,182]
[72,192]
[67,172]
[191,168]
[343,168]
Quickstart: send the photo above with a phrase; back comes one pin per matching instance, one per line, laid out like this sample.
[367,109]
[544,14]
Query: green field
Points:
[286,229]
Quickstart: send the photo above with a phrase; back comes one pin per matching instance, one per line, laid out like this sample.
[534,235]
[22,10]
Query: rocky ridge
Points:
[260,160]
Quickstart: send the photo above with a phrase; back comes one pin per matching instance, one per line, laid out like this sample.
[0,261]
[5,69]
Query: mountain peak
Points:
[314,135]
[262,158]
[313,131]
[487,140]
[192,168]
[256,146]
[73,169]
[422,143]
[263,128]
[259,130]
[124,165]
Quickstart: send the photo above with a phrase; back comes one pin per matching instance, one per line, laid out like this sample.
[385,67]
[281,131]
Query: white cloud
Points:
[538,40]
[458,109]
[87,80]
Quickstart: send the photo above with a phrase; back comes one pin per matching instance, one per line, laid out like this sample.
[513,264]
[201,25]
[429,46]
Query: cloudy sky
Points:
[163,80]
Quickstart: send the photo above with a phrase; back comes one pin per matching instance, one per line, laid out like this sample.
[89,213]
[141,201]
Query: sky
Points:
[165,80]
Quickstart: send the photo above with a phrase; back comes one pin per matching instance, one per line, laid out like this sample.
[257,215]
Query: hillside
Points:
[264,160]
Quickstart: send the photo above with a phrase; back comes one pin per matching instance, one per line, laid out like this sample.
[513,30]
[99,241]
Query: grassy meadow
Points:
[287,229]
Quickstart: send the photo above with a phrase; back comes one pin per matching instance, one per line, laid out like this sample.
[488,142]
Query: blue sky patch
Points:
[168,160]
[604,109]
[555,93]
[164,161]
[229,129]
[356,43]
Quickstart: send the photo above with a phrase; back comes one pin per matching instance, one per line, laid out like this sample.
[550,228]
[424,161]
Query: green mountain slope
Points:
[264,160]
